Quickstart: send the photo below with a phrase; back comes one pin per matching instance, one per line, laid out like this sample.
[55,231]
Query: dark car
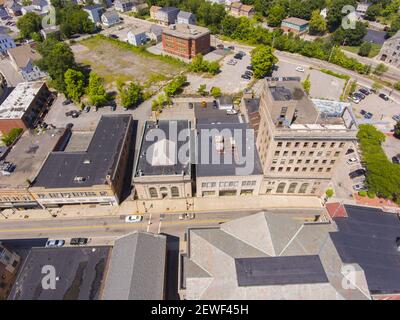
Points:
[75,114]
[396,159]
[220,46]
[69,126]
[238,56]
[248,73]
[67,102]
[357,173]
[363,112]
[78,241]
[359,95]
[364,91]
[231,47]
[69,113]
[215,104]
[245,76]
[114,36]
[368,115]
[384,96]
[250,67]
[349,151]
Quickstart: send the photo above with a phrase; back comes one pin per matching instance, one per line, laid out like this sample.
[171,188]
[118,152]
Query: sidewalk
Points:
[165,206]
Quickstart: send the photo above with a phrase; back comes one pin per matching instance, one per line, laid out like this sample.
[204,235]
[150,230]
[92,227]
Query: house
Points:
[137,37]
[186,40]
[238,9]
[22,59]
[361,9]
[123,5]
[155,33]
[40,5]
[153,12]
[110,18]
[53,31]
[186,18]
[6,42]
[13,8]
[139,6]
[390,51]
[94,12]
[3,13]
[167,15]
[295,25]
[104,3]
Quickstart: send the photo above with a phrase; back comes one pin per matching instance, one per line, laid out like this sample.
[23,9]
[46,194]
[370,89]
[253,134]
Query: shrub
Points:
[362,193]
[329,193]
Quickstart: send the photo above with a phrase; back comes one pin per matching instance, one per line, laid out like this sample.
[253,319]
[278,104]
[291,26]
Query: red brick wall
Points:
[186,48]
[7,124]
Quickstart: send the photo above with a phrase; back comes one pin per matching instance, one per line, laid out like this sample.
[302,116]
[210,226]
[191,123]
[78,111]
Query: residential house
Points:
[110,18]
[3,13]
[153,12]
[13,8]
[6,42]
[137,37]
[295,25]
[167,15]
[106,3]
[123,5]
[22,59]
[53,31]
[155,33]
[390,51]
[139,6]
[40,5]
[186,18]
[94,12]
[238,9]
[361,9]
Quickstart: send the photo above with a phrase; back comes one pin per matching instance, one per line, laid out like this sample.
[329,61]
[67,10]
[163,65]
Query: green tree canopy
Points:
[365,49]
[317,23]
[175,85]
[96,91]
[75,84]
[216,92]
[275,15]
[73,20]
[130,95]
[263,60]
[29,24]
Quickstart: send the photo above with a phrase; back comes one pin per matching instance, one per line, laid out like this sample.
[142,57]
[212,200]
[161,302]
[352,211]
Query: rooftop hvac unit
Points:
[79,179]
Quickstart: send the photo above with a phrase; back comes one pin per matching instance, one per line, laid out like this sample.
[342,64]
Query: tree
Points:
[57,58]
[73,20]
[307,84]
[275,15]
[74,84]
[376,86]
[373,11]
[175,85]
[397,85]
[380,69]
[130,95]
[317,23]
[96,91]
[29,24]
[202,90]
[365,49]
[350,37]
[198,65]
[329,193]
[262,60]
[335,15]
[9,138]
[216,92]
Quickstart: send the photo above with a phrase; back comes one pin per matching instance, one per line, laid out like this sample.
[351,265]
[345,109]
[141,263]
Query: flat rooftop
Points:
[186,31]
[159,148]
[80,272]
[91,167]
[28,155]
[19,100]
[228,157]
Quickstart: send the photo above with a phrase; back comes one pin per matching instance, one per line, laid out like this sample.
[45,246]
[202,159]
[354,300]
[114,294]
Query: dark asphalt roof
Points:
[79,271]
[209,115]
[240,157]
[99,160]
[266,271]
[374,36]
[368,237]
[177,134]
[252,105]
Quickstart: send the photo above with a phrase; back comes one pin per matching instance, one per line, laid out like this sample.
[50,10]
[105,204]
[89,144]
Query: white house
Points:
[110,18]
[137,37]
[186,18]
[6,42]
[123,5]
[94,12]
[22,59]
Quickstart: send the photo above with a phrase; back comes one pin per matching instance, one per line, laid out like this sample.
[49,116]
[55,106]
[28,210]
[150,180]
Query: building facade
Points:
[186,18]
[167,15]
[6,42]
[295,25]
[186,40]
[238,9]
[390,52]
[137,37]
[123,5]
[299,146]
[9,264]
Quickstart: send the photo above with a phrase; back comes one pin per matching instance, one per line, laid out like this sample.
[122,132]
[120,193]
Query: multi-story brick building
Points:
[299,145]
[186,40]
[390,52]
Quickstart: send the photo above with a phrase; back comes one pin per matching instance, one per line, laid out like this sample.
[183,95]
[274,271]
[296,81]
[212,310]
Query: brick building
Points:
[186,40]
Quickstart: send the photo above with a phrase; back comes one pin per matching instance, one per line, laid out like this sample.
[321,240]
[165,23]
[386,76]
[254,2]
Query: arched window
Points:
[292,187]
[174,192]
[303,188]
[281,187]
[164,192]
[153,192]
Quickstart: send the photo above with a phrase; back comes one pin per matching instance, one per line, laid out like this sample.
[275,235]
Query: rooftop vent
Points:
[79,179]
[87,161]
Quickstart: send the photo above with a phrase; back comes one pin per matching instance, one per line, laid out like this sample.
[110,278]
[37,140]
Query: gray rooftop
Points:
[238,150]
[80,271]
[264,271]
[159,149]
[93,165]
[137,268]
[184,14]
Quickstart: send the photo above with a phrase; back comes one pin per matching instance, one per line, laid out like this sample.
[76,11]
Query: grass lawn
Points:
[374,50]
[115,60]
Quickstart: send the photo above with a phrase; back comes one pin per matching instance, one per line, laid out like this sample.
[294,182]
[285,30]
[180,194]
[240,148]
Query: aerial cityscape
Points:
[181,150]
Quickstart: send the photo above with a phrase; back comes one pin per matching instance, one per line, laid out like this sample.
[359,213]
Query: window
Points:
[323,144]
[315,144]
[285,153]
[311,153]
[307,161]
[276,153]
[272,168]
[328,169]
[279,144]
[153,193]
[294,153]
[304,169]
[332,161]
[292,187]
[296,169]
[337,153]
[341,145]
[281,187]
[288,169]
[315,161]
[280,169]
[305,144]
[332,145]
[299,161]
[174,192]
[303,153]
[297,144]
[320,169]
[288,144]
[291,161]
[303,188]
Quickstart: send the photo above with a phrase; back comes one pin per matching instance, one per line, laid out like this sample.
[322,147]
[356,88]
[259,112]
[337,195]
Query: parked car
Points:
[349,151]
[249,67]
[232,62]
[359,95]
[357,173]
[69,113]
[133,218]
[231,112]
[242,53]
[359,187]
[66,102]
[245,76]
[384,96]
[231,47]
[78,241]
[190,105]
[204,104]
[55,243]
[87,109]
[248,73]
[75,114]
[352,161]
[215,104]
[396,159]
[355,99]
[368,115]
[300,69]
[362,111]
[114,36]
[364,91]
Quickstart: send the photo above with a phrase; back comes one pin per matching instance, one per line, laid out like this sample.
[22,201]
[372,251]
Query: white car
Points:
[355,99]
[231,112]
[55,243]
[232,62]
[133,218]
[359,187]
[300,69]
[352,161]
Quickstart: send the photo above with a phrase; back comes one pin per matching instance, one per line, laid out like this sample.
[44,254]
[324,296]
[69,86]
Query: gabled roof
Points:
[295,21]
[111,15]
[185,15]
[22,55]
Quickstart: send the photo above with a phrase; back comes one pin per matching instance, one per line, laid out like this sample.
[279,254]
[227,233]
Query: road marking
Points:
[127,226]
